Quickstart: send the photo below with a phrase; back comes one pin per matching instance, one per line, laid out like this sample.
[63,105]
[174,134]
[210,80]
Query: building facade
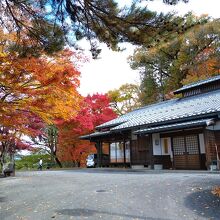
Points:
[182,133]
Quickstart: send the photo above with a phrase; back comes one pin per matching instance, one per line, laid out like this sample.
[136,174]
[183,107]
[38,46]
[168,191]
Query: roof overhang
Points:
[109,126]
[176,126]
[95,135]
[197,84]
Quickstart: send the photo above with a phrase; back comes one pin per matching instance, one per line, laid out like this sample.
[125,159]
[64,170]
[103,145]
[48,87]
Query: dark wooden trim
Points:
[151,152]
[130,150]
[164,160]
[181,133]
[200,155]
[185,144]
[186,156]
[98,154]
[109,152]
[131,145]
[124,151]
[173,162]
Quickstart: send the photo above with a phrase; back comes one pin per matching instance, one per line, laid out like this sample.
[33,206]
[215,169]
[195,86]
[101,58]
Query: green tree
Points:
[125,99]
[48,141]
[43,37]
[92,19]
[149,91]
[170,62]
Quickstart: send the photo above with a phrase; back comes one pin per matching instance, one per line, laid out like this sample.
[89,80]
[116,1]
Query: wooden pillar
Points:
[173,160]
[124,152]
[99,153]
[210,142]
[217,138]
[151,151]
[131,156]
[109,156]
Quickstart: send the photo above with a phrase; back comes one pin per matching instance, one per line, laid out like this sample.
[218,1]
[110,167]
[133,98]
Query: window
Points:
[113,153]
[118,153]
[192,145]
[178,145]
[127,151]
[105,148]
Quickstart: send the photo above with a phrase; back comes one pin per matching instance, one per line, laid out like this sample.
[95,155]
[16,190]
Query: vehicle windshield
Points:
[90,157]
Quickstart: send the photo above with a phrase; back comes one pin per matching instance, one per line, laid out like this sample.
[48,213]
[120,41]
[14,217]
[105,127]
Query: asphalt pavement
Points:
[109,194]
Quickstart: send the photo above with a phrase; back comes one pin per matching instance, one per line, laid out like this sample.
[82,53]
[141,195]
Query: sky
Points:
[112,69]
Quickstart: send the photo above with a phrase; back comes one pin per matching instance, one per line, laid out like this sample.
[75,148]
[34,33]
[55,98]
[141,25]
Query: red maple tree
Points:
[95,110]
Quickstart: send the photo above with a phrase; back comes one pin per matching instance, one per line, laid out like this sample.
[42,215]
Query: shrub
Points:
[31,161]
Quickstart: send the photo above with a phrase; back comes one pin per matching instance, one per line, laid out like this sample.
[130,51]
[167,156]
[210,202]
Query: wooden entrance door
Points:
[140,151]
[186,152]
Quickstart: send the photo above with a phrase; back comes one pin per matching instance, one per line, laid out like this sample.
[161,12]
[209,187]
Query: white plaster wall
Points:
[214,127]
[133,136]
[157,150]
[202,143]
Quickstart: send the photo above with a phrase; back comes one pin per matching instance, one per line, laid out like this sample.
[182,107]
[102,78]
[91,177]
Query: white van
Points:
[91,160]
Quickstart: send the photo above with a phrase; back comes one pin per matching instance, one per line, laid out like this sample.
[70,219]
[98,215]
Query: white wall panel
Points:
[156,144]
[202,143]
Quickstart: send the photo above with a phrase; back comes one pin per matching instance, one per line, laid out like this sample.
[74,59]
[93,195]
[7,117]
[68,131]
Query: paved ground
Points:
[104,194]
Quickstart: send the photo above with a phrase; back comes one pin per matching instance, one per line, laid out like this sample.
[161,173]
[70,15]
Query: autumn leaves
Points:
[37,91]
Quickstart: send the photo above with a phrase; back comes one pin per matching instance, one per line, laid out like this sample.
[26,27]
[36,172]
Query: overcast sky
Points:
[112,69]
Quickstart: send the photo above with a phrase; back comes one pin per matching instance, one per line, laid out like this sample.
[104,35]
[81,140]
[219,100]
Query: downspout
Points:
[218,159]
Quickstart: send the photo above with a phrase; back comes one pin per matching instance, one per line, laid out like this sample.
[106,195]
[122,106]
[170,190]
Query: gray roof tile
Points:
[198,83]
[174,109]
[188,124]
[95,134]
[134,115]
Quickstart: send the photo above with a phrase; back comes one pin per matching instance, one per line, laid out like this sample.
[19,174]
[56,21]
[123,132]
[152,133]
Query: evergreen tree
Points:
[92,19]
[172,61]
[149,89]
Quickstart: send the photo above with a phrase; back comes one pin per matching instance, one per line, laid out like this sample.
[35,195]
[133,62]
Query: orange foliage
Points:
[207,66]
[77,152]
[45,87]
[216,191]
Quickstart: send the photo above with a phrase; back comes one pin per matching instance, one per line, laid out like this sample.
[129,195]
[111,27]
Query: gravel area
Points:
[109,194]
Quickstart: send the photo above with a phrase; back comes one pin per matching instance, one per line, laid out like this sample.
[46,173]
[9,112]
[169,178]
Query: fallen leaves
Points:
[216,191]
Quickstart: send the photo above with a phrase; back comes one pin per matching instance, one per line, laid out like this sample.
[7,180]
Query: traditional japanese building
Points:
[181,133]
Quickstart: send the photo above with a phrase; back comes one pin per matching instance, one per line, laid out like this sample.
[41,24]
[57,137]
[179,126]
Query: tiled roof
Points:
[198,83]
[96,134]
[168,111]
[131,115]
[169,127]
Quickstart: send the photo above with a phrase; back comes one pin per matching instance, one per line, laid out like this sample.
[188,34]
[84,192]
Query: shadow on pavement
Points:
[138,171]
[2,199]
[89,213]
[204,204]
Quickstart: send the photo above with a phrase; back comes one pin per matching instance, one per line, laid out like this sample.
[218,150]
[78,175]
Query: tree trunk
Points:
[2,158]
[57,159]
[58,162]
[1,165]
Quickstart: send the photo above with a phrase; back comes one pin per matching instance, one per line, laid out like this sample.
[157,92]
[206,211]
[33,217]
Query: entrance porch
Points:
[194,149]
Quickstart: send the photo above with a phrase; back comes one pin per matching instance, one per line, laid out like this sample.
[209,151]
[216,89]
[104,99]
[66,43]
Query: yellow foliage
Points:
[44,86]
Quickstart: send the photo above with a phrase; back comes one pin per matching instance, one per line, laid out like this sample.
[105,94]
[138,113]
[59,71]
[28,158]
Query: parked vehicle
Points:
[92,160]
